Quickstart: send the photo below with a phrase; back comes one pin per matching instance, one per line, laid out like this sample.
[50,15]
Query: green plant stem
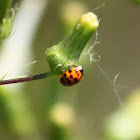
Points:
[67,53]
[4,8]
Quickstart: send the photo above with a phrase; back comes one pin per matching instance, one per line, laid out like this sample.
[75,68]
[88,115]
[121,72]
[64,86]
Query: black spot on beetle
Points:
[71,76]
[81,71]
[70,71]
[65,75]
[69,82]
[62,80]
[66,78]
[75,79]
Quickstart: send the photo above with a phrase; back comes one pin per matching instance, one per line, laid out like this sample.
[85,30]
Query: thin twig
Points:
[25,79]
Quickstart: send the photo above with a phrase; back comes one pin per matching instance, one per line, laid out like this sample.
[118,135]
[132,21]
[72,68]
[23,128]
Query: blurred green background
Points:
[85,109]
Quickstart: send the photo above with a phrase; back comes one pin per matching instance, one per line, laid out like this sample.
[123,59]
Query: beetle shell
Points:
[72,76]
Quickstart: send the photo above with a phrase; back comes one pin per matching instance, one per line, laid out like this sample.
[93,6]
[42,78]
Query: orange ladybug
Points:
[72,76]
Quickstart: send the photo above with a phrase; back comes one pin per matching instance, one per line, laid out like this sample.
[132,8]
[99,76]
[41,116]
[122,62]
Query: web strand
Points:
[113,83]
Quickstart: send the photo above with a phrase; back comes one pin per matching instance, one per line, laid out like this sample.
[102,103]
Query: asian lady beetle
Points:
[72,76]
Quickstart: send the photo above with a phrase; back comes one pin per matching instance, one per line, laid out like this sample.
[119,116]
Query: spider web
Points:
[97,60]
